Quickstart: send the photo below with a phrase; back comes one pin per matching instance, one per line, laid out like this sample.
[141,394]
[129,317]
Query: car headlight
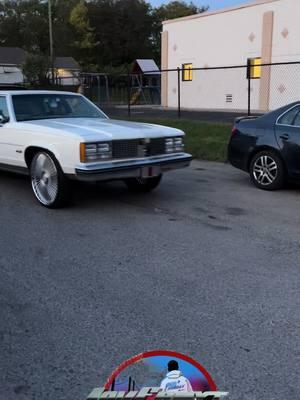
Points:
[174,145]
[92,152]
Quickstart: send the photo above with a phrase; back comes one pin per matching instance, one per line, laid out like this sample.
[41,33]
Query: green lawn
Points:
[206,141]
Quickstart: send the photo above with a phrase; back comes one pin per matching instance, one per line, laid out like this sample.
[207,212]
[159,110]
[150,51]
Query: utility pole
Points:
[51,40]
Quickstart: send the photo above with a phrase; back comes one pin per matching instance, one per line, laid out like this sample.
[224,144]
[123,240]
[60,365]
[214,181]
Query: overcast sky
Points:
[213,4]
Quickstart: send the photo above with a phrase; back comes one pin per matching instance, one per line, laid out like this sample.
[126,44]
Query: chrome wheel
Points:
[265,170]
[44,179]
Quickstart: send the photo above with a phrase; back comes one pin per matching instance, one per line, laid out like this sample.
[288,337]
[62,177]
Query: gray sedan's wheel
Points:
[49,185]
[143,185]
[267,171]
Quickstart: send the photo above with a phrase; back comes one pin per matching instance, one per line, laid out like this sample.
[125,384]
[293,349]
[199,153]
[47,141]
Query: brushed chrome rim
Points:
[44,179]
[265,170]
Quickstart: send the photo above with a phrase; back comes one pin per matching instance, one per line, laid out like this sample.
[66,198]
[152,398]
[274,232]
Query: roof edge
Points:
[221,11]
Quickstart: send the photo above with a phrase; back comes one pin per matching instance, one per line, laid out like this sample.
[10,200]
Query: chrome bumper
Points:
[132,168]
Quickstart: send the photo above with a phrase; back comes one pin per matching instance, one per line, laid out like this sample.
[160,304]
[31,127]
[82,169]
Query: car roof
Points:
[273,115]
[33,92]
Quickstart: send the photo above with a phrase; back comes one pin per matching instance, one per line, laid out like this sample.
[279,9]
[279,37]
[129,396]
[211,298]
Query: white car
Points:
[59,136]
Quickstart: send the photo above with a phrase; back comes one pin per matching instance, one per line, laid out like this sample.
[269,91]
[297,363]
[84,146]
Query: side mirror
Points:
[3,119]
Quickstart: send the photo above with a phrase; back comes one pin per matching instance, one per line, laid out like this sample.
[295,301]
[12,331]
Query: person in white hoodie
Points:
[174,380]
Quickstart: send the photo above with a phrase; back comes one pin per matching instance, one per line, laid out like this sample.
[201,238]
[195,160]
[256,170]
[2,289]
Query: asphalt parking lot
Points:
[206,265]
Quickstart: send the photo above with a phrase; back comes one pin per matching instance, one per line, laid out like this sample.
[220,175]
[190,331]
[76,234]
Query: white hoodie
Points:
[176,382]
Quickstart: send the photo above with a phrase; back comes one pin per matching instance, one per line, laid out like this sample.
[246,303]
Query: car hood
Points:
[104,129]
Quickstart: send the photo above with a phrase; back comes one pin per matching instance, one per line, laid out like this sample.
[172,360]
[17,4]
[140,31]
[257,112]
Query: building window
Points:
[254,69]
[187,72]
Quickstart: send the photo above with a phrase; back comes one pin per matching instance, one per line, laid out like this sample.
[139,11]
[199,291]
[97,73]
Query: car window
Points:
[3,107]
[47,106]
[289,117]
[297,120]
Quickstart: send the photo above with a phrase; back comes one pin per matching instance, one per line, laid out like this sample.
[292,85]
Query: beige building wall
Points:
[285,81]
[266,58]
[269,29]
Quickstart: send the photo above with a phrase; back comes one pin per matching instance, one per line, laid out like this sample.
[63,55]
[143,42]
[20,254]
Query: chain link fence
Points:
[281,85]
[187,92]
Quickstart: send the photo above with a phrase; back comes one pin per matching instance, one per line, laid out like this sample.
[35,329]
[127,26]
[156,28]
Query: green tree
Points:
[84,42]
[23,23]
[122,30]
[36,69]
[63,31]
[98,33]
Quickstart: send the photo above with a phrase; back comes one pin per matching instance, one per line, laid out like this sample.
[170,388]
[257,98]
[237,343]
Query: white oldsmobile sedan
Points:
[59,136]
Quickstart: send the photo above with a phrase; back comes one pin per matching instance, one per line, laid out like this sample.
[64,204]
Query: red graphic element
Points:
[153,353]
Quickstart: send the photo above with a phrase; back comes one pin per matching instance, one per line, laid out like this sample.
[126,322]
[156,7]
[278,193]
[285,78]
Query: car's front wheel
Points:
[48,182]
[267,171]
[143,185]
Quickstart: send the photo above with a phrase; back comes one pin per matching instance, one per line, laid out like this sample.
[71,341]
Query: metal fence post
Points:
[129,95]
[249,85]
[178,92]
[99,89]
[90,83]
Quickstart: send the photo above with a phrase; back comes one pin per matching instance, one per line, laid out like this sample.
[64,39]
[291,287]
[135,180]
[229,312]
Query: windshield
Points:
[46,106]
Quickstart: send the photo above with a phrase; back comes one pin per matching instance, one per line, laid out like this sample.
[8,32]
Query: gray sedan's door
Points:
[287,130]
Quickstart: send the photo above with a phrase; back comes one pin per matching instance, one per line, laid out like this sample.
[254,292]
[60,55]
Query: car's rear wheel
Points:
[48,182]
[267,171]
[143,185]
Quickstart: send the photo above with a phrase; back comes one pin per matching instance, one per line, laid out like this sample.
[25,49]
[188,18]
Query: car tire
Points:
[267,171]
[143,185]
[49,184]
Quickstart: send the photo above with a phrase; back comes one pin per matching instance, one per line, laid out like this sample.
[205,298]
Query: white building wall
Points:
[10,75]
[285,80]
[14,75]
[230,38]
[68,77]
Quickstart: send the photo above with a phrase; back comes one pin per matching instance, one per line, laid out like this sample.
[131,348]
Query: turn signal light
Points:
[82,152]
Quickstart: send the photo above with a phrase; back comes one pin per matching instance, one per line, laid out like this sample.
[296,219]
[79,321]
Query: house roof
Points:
[16,56]
[221,11]
[145,66]
[12,56]
[66,63]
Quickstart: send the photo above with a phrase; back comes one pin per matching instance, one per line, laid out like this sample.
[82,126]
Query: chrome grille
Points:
[125,148]
[134,148]
[156,147]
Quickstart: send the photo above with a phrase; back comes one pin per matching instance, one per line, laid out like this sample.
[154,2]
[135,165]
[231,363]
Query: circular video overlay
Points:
[158,374]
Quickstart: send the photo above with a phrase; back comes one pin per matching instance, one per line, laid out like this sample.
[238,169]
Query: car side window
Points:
[297,120]
[289,117]
[3,107]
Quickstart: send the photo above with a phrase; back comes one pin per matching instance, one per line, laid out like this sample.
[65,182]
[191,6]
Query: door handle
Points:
[284,136]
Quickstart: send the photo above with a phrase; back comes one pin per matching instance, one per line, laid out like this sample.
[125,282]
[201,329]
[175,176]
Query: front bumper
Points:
[152,166]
